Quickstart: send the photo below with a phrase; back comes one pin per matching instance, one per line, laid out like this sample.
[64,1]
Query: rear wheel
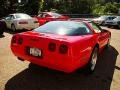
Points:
[33,66]
[13,27]
[93,60]
[108,44]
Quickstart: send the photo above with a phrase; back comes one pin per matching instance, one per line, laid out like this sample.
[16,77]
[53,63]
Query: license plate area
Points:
[34,52]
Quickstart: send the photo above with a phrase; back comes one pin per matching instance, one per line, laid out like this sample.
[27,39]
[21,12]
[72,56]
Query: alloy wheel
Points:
[94,59]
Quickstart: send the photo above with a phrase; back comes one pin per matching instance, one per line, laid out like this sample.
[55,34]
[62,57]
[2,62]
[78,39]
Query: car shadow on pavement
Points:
[45,79]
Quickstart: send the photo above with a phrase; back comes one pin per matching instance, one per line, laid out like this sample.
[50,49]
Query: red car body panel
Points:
[49,17]
[79,48]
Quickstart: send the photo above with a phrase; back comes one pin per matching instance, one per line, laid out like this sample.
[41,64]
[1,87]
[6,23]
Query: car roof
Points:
[17,13]
[48,13]
[78,21]
[81,20]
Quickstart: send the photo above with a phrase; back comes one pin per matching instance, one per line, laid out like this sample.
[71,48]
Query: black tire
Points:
[13,27]
[93,61]
[109,26]
[118,25]
[102,23]
[108,43]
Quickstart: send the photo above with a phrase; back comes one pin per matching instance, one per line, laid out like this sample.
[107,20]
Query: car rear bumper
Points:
[63,63]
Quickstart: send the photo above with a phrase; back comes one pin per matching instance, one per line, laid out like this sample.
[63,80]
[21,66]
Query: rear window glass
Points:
[55,14]
[69,28]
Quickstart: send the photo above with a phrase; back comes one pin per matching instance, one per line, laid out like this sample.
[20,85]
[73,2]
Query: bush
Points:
[108,8]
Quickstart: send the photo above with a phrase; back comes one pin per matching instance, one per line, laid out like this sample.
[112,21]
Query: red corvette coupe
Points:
[45,17]
[62,45]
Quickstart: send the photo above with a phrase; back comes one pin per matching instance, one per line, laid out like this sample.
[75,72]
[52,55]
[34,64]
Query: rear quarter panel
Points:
[81,49]
[43,20]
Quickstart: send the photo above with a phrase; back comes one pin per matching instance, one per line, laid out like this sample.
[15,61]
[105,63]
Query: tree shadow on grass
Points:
[46,79]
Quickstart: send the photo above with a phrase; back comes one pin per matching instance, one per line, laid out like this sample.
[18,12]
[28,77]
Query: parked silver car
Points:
[102,19]
[19,21]
[114,22]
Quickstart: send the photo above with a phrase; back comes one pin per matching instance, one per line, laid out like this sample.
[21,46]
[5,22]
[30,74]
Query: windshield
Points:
[24,16]
[68,28]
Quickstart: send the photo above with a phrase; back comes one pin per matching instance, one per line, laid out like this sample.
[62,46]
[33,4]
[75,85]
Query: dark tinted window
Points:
[69,28]
[10,17]
[111,18]
[96,28]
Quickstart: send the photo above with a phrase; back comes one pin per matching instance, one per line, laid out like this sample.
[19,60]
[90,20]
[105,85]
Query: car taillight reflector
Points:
[14,39]
[20,40]
[52,47]
[23,22]
[63,49]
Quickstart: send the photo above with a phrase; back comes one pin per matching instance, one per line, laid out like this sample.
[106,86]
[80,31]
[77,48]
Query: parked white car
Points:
[102,19]
[19,21]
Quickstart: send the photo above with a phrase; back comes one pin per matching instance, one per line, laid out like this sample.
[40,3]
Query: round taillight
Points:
[63,49]
[52,47]
[20,40]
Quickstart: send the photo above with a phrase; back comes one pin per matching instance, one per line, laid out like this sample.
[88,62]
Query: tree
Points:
[2,7]
[108,8]
[7,7]
[32,7]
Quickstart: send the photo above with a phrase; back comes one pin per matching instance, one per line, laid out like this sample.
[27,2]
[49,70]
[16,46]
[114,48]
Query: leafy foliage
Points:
[33,7]
[108,8]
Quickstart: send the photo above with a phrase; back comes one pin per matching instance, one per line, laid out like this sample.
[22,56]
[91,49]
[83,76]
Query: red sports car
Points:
[62,45]
[45,17]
